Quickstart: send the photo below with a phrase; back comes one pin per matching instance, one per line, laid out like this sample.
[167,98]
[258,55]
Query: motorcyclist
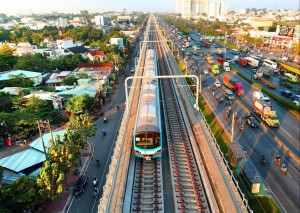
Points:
[283,168]
[94,178]
[263,159]
[96,192]
[104,132]
[98,161]
[118,107]
[278,159]
[104,119]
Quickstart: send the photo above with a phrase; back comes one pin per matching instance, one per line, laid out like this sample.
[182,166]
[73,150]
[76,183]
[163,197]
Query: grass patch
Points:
[263,204]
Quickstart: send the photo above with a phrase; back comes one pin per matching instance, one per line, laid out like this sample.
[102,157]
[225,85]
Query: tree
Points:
[34,62]
[84,125]
[20,195]
[5,102]
[79,103]
[50,181]
[69,80]
[61,152]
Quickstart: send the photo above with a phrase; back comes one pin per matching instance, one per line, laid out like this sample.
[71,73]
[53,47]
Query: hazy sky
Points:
[74,6]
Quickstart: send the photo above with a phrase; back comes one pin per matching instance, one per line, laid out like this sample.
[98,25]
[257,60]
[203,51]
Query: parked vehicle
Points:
[80,185]
[251,121]
[234,84]
[265,111]
[286,93]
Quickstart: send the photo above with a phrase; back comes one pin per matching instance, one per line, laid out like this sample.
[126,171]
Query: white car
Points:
[297,103]
[205,71]
[218,83]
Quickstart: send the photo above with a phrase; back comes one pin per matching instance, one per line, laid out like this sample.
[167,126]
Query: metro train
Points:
[147,135]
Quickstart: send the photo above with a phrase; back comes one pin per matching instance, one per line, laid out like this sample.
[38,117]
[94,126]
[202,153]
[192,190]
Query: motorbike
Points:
[263,161]
[104,133]
[105,120]
[284,170]
[277,160]
[94,181]
[117,107]
[96,192]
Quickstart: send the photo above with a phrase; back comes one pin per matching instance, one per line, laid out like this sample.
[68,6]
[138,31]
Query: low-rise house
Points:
[96,55]
[50,97]
[24,48]
[80,49]
[56,78]
[36,77]
[12,90]
[29,161]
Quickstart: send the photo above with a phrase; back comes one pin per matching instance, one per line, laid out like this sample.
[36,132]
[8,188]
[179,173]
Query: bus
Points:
[269,63]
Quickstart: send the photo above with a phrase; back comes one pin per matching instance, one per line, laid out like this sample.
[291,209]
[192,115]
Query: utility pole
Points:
[41,136]
[232,127]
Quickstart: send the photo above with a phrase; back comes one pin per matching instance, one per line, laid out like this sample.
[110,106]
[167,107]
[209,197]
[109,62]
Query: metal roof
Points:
[22,160]
[37,144]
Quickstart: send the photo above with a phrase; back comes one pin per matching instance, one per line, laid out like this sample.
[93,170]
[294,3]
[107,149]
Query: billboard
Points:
[286,31]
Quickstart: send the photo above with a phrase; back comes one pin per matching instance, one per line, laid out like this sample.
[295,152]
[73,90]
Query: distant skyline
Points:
[93,6]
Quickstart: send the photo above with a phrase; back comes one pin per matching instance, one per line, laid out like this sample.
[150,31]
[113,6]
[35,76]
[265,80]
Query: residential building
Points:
[101,21]
[117,41]
[95,55]
[191,8]
[64,44]
[217,9]
[50,97]
[36,77]
[24,48]
[62,22]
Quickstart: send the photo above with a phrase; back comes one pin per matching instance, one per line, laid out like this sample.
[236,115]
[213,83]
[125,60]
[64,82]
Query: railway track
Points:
[147,192]
[188,190]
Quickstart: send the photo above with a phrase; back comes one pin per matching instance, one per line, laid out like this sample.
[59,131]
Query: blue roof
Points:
[37,144]
[22,160]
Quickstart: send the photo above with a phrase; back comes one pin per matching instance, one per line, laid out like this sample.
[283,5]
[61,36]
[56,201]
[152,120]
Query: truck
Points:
[264,110]
[265,72]
[252,62]
[258,95]
[243,62]
[226,66]
[234,84]
[215,69]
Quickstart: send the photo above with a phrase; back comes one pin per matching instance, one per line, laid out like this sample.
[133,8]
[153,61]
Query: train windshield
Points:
[147,141]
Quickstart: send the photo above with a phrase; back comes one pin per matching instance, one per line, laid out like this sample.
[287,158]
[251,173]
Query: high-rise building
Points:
[101,21]
[217,9]
[191,8]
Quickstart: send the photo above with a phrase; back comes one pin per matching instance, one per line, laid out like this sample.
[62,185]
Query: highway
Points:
[259,141]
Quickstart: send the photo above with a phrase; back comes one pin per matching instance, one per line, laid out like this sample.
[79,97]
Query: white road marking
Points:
[285,132]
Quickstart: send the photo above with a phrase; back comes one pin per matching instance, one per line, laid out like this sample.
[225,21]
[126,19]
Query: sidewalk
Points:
[62,203]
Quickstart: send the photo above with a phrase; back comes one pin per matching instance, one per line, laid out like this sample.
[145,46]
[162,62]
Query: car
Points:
[218,83]
[286,93]
[296,98]
[205,71]
[251,121]
[297,103]
[229,94]
[80,185]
